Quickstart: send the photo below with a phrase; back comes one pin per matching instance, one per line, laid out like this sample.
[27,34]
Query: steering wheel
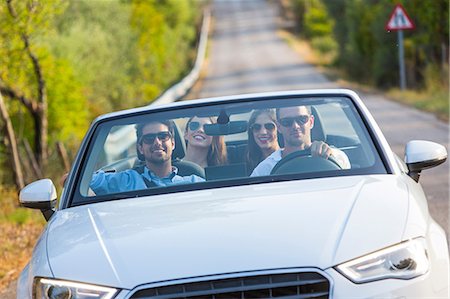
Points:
[302,161]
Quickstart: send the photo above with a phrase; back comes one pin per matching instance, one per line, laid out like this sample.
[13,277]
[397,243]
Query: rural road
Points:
[246,55]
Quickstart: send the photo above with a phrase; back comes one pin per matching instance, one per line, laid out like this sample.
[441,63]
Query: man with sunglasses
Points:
[155,143]
[295,124]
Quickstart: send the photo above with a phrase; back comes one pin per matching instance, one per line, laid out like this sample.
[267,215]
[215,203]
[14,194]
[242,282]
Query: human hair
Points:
[140,127]
[254,152]
[217,153]
[308,107]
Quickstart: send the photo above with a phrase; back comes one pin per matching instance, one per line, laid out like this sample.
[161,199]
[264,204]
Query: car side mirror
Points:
[39,195]
[421,154]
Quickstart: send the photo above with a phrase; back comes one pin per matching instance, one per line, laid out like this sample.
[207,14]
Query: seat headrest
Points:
[180,145]
[317,131]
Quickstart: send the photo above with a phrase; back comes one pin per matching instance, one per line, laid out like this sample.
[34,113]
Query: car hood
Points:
[309,223]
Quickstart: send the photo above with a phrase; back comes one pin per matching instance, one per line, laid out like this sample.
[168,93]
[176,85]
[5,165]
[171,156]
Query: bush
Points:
[10,212]
[317,22]
[324,44]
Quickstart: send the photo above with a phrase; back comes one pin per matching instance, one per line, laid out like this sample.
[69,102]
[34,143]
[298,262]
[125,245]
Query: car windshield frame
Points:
[75,198]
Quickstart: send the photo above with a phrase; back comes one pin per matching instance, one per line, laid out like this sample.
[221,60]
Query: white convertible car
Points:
[306,201]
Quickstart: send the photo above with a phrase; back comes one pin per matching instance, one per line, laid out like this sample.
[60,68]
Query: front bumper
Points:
[430,285]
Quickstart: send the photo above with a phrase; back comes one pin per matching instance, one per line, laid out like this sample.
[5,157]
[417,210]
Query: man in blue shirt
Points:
[155,143]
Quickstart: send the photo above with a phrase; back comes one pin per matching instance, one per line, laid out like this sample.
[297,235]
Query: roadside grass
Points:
[434,98]
[436,102]
[307,52]
[19,230]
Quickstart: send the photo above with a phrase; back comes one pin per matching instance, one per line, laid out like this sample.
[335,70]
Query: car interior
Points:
[335,123]
[237,153]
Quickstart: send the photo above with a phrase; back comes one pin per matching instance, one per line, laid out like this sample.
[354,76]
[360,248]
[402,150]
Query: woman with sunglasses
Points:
[262,137]
[203,149]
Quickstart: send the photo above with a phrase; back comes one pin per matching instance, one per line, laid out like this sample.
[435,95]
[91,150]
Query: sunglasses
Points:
[289,121]
[195,125]
[150,138]
[267,126]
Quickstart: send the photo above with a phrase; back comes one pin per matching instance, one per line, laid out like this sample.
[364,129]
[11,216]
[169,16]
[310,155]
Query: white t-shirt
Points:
[266,166]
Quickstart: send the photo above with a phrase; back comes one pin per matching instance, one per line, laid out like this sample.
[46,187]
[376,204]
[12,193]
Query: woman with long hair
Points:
[203,149]
[262,137]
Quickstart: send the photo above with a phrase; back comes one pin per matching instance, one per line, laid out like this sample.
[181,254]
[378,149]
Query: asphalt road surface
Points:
[247,55]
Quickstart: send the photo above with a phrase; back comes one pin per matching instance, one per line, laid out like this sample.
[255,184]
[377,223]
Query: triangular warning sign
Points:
[399,20]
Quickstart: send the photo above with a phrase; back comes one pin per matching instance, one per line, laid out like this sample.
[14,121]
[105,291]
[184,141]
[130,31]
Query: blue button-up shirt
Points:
[130,180]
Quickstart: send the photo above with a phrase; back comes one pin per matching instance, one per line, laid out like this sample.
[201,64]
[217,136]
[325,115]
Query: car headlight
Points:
[402,261]
[45,288]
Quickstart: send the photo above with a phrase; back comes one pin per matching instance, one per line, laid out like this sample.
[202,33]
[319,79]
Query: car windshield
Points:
[223,144]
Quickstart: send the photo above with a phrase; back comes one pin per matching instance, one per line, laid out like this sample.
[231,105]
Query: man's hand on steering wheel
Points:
[321,149]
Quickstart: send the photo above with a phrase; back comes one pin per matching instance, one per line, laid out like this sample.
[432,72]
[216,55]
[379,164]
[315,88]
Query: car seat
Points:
[184,167]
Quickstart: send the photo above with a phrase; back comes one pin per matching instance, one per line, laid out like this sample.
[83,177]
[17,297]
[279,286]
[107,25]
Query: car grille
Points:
[291,285]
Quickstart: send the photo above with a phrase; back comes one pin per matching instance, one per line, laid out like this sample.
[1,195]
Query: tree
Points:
[368,53]
[23,78]
[63,62]
[12,145]
[165,33]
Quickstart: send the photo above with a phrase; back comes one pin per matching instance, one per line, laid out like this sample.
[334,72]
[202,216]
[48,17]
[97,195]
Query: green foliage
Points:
[17,69]
[324,44]
[68,116]
[23,54]
[366,52]
[317,22]
[99,50]
[165,33]
[96,57]
[316,25]
[130,61]
[19,216]
[11,213]
[434,97]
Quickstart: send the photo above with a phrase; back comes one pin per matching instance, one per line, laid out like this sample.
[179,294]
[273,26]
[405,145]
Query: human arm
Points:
[322,149]
[116,182]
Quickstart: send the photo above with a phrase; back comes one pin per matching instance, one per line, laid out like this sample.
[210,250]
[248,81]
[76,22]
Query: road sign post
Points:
[401,60]
[399,21]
